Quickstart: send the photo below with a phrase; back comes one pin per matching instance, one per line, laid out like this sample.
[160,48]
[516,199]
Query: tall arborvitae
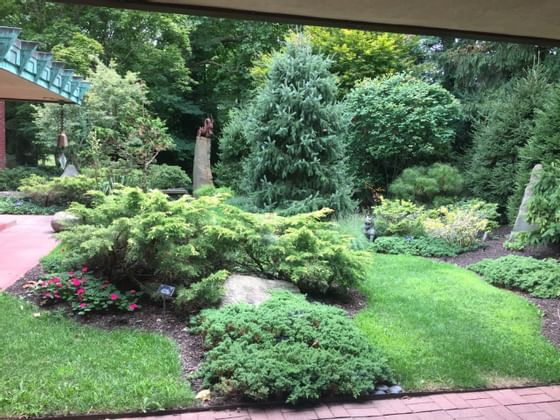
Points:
[504,128]
[297,160]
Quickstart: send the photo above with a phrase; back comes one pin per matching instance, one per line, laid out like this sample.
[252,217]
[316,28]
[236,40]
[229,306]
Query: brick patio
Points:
[539,403]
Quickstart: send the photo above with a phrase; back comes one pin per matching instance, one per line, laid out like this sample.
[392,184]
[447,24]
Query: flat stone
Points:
[63,220]
[395,389]
[251,289]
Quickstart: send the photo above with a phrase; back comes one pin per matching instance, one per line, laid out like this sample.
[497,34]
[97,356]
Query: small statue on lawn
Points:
[369,228]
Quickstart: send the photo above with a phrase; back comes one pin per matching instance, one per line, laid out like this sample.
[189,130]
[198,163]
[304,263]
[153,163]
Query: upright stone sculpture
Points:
[521,222]
[202,173]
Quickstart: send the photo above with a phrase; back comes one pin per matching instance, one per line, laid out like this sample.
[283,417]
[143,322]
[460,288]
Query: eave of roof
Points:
[525,21]
[30,75]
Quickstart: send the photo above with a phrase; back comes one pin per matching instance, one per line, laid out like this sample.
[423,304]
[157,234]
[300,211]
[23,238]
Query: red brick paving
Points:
[22,244]
[540,403]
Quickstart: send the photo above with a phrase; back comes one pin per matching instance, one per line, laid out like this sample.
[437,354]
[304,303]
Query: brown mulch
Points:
[493,248]
[550,309]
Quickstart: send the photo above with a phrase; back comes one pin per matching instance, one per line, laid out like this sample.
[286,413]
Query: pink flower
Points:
[76,282]
[84,269]
[132,306]
[71,273]
[83,305]
[114,296]
[80,291]
[132,292]
[57,295]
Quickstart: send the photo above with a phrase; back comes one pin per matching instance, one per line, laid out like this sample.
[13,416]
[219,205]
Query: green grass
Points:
[51,365]
[442,327]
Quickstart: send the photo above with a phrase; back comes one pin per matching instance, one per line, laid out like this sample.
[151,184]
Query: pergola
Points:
[30,75]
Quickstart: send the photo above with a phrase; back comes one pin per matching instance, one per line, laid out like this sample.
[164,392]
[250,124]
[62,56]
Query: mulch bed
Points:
[493,248]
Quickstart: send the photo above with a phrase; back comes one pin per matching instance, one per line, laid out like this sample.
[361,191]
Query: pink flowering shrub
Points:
[85,293]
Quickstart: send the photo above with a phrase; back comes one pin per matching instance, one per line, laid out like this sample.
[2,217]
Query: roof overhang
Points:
[526,21]
[30,75]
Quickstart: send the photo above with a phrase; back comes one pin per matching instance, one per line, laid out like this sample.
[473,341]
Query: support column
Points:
[2,135]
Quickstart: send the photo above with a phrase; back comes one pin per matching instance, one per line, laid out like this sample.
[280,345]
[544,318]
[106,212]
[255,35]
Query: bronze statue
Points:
[207,130]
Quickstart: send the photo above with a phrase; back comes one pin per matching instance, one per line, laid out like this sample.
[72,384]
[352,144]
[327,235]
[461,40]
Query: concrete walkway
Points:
[23,241]
[539,403]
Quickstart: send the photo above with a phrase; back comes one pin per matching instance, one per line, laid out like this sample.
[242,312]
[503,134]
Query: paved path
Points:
[512,404]
[22,244]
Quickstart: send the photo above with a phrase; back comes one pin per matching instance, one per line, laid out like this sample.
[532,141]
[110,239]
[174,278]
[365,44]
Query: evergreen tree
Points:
[297,161]
[543,147]
[504,128]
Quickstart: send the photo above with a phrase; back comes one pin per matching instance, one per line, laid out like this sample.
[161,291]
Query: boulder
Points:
[70,171]
[63,220]
[521,223]
[251,289]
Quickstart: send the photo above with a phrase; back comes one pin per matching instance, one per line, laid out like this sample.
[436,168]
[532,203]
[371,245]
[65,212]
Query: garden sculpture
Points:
[207,130]
[202,173]
[369,228]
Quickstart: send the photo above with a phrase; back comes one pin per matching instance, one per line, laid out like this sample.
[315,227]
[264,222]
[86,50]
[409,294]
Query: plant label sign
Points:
[166,291]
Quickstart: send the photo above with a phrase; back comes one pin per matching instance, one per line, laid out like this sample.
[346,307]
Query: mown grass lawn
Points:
[443,327]
[50,365]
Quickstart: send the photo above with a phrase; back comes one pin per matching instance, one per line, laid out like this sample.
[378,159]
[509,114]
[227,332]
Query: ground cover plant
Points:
[441,327]
[11,205]
[51,365]
[540,278]
[287,348]
[422,246]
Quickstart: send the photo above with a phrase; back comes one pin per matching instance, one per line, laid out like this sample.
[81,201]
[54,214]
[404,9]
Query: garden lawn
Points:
[54,365]
[443,327]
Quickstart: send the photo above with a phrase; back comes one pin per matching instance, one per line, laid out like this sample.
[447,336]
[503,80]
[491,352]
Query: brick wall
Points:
[2,134]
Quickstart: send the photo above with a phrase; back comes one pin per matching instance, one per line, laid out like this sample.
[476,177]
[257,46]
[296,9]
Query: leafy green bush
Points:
[142,238]
[10,205]
[421,246]
[164,176]
[10,178]
[207,292]
[85,293]
[398,121]
[540,278]
[287,348]
[398,217]
[57,191]
[462,224]
[426,184]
